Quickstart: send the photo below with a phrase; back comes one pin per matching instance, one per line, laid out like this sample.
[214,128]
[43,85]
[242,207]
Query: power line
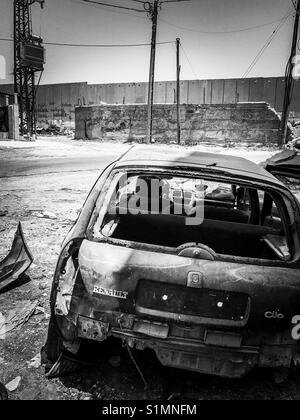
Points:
[112,10]
[114,6]
[61,44]
[104,45]
[222,32]
[294,5]
[265,46]
[189,62]
[262,51]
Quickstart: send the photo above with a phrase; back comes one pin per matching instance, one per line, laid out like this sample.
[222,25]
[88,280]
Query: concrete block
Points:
[242,122]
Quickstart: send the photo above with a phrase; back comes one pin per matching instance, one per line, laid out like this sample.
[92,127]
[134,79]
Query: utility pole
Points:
[153,9]
[178,89]
[153,12]
[289,80]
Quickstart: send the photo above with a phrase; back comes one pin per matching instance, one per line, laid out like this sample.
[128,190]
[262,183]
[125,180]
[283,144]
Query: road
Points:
[55,156]
[38,166]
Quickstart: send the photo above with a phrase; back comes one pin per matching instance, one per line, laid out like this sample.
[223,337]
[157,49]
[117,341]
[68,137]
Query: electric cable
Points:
[224,32]
[189,62]
[265,47]
[60,44]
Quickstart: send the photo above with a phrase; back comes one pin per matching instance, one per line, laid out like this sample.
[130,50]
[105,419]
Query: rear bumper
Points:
[196,356]
[202,350]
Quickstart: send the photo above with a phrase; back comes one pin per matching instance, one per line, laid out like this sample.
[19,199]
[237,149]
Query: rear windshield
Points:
[167,211]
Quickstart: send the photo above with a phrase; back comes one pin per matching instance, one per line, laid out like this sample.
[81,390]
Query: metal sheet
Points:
[17,262]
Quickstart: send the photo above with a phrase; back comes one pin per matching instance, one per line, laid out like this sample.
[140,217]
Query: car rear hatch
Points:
[170,288]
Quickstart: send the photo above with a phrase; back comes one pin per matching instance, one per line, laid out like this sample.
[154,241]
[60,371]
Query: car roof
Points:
[172,157]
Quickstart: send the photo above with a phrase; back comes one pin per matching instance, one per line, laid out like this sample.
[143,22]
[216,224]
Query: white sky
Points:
[211,55]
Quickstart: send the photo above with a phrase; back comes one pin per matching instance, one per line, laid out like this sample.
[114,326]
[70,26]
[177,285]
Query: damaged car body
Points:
[217,296]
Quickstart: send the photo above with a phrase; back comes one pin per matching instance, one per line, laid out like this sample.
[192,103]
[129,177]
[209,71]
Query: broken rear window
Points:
[170,211]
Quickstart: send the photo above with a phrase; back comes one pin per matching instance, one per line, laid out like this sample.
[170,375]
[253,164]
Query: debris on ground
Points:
[39,310]
[17,262]
[17,317]
[35,362]
[46,215]
[55,130]
[14,384]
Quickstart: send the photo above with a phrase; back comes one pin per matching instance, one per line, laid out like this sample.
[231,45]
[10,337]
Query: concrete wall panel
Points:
[270,91]
[141,93]
[280,86]
[195,92]
[159,93]
[130,93]
[230,90]
[242,90]
[217,93]
[92,94]
[184,91]
[171,93]
[256,90]
[66,104]
[50,103]
[57,108]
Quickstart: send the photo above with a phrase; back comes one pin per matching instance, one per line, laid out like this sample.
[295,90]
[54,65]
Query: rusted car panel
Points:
[17,261]
[197,309]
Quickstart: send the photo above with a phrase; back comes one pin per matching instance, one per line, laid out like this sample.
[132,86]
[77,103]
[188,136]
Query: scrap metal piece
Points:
[17,262]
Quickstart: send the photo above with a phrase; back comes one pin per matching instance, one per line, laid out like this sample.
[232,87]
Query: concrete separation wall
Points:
[227,123]
[56,103]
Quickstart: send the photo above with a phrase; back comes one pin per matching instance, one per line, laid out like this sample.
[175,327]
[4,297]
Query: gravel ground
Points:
[22,199]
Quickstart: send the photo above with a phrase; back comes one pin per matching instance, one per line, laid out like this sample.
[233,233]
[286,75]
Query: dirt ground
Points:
[24,198]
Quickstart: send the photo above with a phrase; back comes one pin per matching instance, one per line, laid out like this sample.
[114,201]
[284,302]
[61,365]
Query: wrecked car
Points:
[193,255]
